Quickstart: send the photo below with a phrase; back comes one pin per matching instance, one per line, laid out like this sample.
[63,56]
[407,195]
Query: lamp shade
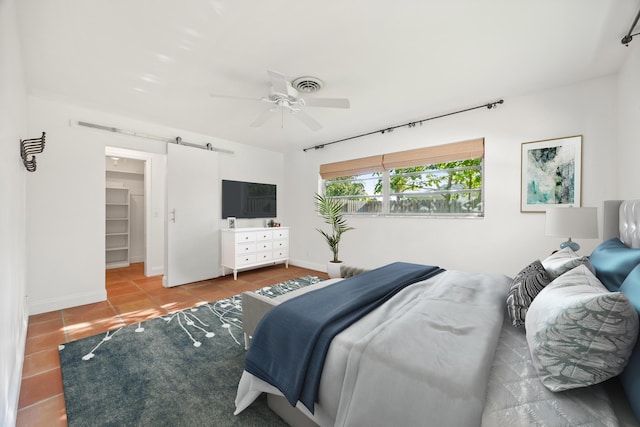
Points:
[572,222]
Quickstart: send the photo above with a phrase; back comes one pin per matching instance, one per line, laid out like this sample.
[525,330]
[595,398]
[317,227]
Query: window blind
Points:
[351,167]
[464,150]
[471,149]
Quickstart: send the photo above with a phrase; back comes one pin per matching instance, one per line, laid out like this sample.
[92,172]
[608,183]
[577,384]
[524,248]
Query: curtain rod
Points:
[489,105]
[178,140]
[627,38]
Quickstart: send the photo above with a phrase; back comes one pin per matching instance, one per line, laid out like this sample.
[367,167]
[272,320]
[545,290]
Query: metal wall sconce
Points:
[31,147]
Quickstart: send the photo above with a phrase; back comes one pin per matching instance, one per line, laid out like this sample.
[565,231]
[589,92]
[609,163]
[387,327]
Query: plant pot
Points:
[333,269]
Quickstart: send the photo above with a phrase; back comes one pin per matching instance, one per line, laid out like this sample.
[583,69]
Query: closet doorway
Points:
[128,190]
[124,182]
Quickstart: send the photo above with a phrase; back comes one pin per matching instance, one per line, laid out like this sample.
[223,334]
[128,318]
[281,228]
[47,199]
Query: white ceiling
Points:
[397,61]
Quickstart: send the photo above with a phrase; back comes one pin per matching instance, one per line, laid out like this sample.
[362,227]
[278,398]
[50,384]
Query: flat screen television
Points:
[248,200]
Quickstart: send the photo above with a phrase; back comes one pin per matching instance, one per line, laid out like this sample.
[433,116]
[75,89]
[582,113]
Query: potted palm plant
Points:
[331,211]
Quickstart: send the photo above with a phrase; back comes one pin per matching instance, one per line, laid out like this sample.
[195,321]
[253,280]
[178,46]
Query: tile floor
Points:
[131,297]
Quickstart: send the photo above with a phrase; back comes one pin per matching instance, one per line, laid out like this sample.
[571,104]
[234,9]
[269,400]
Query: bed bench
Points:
[255,306]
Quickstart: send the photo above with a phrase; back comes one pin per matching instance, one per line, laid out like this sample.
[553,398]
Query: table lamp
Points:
[572,222]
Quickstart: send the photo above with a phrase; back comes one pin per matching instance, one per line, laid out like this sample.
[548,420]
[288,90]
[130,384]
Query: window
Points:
[445,180]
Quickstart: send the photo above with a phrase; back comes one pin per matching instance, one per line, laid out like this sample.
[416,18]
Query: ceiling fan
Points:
[285,95]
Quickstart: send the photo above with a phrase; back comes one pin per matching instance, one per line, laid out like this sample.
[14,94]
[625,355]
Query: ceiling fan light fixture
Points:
[307,84]
[285,94]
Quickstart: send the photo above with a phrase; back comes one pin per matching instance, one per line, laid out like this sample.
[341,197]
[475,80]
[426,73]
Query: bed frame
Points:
[292,415]
[621,219]
[623,223]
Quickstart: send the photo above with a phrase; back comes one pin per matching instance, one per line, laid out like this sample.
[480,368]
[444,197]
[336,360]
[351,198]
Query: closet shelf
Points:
[111,171]
[117,232]
[122,248]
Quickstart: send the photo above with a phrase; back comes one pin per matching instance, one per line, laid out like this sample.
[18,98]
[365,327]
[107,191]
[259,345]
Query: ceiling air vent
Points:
[307,84]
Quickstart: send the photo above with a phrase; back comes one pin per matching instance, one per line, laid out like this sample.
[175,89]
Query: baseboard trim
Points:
[309,265]
[155,271]
[13,391]
[59,303]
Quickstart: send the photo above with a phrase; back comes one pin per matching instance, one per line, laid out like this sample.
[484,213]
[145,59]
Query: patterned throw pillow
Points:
[524,288]
[564,260]
[579,333]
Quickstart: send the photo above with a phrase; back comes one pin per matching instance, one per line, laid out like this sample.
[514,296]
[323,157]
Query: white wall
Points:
[629,124]
[13,127]
[505,240]
[65,242]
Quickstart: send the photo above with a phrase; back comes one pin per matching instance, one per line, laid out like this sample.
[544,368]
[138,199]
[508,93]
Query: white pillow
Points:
[578,332]
[564,260]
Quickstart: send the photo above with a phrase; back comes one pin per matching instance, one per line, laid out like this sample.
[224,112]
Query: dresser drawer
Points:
[246,259]
[281,253]
[280,234]
[245,248]
[264,246]
[249,236]
[264,256]
[264,235]
[279,244]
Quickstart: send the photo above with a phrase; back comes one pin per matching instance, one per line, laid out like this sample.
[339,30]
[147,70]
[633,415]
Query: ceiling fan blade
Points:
[327,102]
[307,120]
[278,82]
[242,98]
[262,118]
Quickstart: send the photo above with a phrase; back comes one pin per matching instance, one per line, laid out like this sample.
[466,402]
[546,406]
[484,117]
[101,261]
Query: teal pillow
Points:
[630,377]
[613,261]
[631,287]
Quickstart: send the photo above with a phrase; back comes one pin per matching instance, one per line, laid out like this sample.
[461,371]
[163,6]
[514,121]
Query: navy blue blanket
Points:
[291,341]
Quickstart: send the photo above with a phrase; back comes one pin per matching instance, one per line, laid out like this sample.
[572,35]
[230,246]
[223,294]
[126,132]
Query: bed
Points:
[555,345]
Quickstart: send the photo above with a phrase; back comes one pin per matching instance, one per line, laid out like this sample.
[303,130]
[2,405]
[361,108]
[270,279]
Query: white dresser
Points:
[244,248]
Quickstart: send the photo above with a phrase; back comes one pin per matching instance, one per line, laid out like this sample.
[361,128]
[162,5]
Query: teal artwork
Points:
[551,173]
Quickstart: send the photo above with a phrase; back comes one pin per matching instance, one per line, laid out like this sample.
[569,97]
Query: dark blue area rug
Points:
[180,369]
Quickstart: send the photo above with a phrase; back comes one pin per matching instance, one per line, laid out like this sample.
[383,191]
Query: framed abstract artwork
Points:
[551,173]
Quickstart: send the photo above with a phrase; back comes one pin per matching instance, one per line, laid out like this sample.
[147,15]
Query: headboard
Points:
[622,220]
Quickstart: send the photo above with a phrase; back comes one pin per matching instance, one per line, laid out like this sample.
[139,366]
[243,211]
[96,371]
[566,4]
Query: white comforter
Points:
[423,358]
